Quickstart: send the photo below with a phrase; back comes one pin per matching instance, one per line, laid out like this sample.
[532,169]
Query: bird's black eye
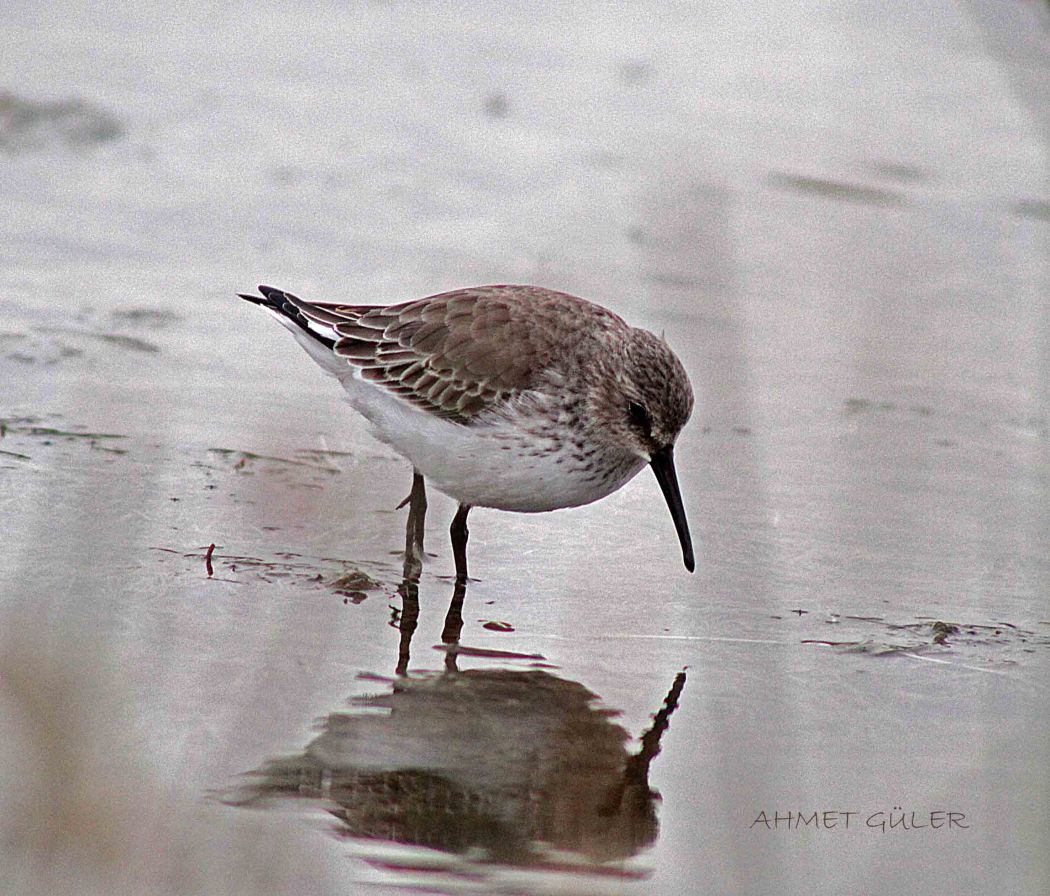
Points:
[638,416]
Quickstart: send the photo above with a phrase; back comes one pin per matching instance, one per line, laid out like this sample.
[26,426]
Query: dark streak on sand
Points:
[11,426]
[933,633]
[134,343]
[243,457]
[313,572]
[837,190]
[487,653]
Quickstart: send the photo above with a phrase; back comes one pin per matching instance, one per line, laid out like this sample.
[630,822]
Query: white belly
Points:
[485,465]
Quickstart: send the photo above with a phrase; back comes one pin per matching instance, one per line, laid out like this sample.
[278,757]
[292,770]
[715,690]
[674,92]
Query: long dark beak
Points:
[662,463]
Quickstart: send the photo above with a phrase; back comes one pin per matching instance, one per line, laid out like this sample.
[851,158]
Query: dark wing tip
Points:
[274,298]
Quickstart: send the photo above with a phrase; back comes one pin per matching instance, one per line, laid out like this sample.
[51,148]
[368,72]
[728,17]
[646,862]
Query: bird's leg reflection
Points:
[454,625]
[409,587]
[409,617]
[409,591]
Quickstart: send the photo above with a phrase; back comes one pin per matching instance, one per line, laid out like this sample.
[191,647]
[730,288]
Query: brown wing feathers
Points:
[455,355]
[405,349]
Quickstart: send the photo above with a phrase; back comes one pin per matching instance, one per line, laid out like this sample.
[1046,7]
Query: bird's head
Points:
[644,405]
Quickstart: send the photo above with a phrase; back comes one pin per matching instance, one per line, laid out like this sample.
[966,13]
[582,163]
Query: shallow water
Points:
[840,220]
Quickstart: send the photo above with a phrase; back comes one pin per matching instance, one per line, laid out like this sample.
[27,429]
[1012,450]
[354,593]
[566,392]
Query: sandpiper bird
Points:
[512,397]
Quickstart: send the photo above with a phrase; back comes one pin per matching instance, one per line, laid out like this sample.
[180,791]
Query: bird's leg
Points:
[417,513]
[419,493]
[459,534]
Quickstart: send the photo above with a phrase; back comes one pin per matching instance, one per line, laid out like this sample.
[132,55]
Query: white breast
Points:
[494,464]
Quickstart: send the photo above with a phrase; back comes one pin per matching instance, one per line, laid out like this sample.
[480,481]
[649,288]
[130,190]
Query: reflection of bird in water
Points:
[513,397]
[513,763]
[506,763]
